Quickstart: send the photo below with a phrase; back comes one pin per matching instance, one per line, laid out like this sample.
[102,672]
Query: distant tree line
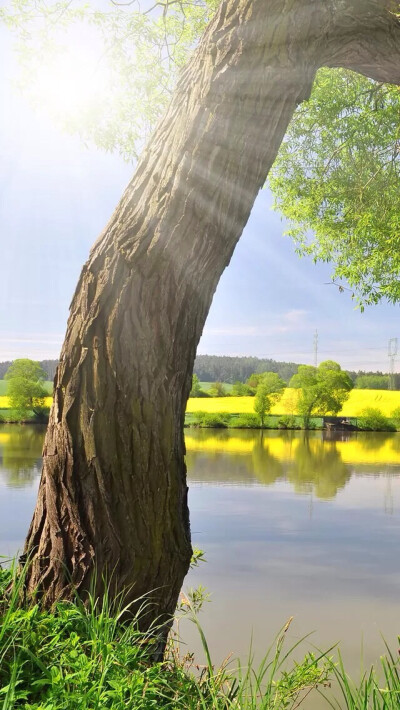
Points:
[224,368]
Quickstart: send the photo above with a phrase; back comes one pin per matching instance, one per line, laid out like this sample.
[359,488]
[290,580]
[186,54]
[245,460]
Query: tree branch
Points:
[367,39]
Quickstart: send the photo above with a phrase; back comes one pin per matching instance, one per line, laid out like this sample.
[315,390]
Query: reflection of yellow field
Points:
[4,438]
[4,403]
[363,449]
[233,445]
[359,399]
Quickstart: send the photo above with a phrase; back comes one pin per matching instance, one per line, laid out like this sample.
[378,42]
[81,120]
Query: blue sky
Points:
[56,194]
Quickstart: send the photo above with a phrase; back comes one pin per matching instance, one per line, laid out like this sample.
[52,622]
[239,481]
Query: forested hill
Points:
[223,368]
[208,368]
[219,368]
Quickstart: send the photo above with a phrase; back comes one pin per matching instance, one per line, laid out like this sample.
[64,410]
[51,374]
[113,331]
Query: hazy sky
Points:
[55,197]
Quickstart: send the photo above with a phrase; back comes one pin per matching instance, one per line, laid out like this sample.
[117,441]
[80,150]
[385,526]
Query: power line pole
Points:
[392,352]
[316,348]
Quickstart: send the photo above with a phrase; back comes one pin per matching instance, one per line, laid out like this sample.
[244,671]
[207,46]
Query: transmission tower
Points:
[392,352]
[316,348]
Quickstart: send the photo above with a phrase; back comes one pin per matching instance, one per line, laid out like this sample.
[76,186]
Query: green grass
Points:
[85,657]
[78,657]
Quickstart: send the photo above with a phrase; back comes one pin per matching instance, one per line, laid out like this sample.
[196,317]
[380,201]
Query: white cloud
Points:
[291,321]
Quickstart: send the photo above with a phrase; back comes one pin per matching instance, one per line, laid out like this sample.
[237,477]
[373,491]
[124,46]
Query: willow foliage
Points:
[138,48]
[336,179]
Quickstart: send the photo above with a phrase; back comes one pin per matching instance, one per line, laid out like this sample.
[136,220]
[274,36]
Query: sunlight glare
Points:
[71,84]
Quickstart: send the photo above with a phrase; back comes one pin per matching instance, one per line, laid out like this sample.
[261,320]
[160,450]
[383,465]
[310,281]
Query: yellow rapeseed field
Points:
[5,404]
[384,400]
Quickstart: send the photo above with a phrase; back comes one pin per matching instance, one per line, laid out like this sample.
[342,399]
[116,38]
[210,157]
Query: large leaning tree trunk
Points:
[113,494]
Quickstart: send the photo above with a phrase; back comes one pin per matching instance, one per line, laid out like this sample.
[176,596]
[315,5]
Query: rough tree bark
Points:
[113,491]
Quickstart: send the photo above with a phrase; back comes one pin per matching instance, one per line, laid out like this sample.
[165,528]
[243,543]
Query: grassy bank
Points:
[86,658]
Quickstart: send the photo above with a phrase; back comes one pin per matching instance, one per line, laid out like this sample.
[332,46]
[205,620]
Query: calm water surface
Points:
[292,524]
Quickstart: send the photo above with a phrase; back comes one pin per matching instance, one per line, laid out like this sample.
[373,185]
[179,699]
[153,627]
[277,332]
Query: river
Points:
[292,524]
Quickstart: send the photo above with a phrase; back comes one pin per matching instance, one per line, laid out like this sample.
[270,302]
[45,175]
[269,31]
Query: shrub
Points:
[218,390]
[213,420]
[395,417]
[288,421]
[246,421]
[315,423]
[240,389]
[372,419]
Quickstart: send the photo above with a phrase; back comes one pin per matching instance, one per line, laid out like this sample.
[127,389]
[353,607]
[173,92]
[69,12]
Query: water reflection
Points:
[321,463]
[251,498]
[20,454]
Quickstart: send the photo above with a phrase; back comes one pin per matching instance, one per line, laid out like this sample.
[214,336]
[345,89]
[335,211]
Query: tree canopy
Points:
[269,389]
[323,389]
[25,388]
[336,178]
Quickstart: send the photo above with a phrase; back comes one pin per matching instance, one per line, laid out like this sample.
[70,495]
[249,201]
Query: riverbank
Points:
[84,657]
[238,412]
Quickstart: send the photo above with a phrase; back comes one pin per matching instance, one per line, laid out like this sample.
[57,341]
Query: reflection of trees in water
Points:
[374,440]
[21,451]
[266,466]
[312,465]
[219,467]
[306,460]
[318,466]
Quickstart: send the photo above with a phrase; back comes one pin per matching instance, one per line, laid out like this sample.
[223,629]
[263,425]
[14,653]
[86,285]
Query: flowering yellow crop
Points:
[5,403]
[358,400]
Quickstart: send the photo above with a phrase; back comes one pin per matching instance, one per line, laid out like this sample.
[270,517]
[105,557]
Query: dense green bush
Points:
[240,389]
[395,417]
[245,421]
[288,421]
[213,420]
[372,419]
[217,389]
